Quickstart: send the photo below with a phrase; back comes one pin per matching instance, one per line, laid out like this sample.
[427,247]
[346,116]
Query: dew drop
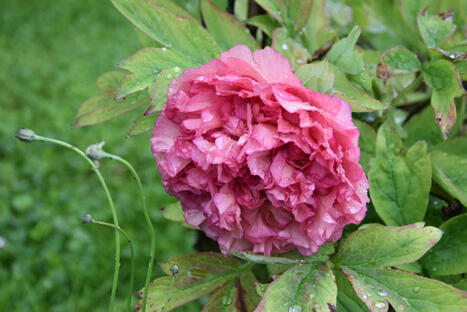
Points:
[380,305]
[369,295]
[382,293]
[285,46]
[226,300]
[372,261]
[164,49]
[177,69]
[416,289]
[295,308]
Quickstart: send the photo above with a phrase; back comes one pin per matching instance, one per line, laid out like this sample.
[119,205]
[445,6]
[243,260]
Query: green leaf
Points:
[347,299]
[317,31]
[174,212]
[289,48]
[450,172]
[316,76]
[462,69]
[356,97]
[103,107]
[456,146]
[144,66]
[434,214]
[288,258]
[434,30]
[443,78]
[343,55]
[399,186]
[163,296]
[225,28]
[160,88]
[183,34]
[384,246]
[400,60]
[449,256]
[302,288]
[221,4]
[197,275]
[142,125]
[200,267]
[293,14]
[422,126]
[192,6]
[367,144]
[238,295]
[413,267]
[172,7]
[404,291]
[383,24]
[265,23]
[110,81]
[365,258]
[241,9]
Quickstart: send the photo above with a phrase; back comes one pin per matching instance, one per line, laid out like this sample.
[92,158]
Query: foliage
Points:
[399,65]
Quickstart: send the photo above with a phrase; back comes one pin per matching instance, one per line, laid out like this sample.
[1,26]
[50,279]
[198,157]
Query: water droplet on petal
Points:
[380,305]
[295,308]
[226,300]
[416,289]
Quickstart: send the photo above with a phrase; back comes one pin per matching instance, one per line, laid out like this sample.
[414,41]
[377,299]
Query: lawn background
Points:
[51,53]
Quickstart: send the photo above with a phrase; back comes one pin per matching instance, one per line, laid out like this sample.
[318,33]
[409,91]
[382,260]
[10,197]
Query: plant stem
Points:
[112,208]
[132,251]
[148,223]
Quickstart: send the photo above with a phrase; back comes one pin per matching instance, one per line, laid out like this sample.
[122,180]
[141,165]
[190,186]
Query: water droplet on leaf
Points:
[416,289]
[295,308]
[382,293]
[380,305]
[226,300]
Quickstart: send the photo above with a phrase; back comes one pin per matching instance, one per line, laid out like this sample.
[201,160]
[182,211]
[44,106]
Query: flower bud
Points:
[174,269]
[95,151]
[86,218]
[26,135]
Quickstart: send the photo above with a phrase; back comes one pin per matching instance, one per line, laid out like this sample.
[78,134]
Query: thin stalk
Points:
[112,208]
[148,223]
[132,251]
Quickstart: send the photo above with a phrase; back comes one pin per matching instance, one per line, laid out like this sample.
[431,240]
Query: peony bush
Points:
[319,144]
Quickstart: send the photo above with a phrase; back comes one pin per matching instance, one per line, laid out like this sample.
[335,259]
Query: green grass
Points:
[51,52]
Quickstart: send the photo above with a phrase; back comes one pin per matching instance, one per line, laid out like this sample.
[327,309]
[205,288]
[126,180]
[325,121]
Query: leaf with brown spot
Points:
[444,80]
[238,295]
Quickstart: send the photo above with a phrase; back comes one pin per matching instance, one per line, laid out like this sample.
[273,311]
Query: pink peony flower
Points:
[258,161]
